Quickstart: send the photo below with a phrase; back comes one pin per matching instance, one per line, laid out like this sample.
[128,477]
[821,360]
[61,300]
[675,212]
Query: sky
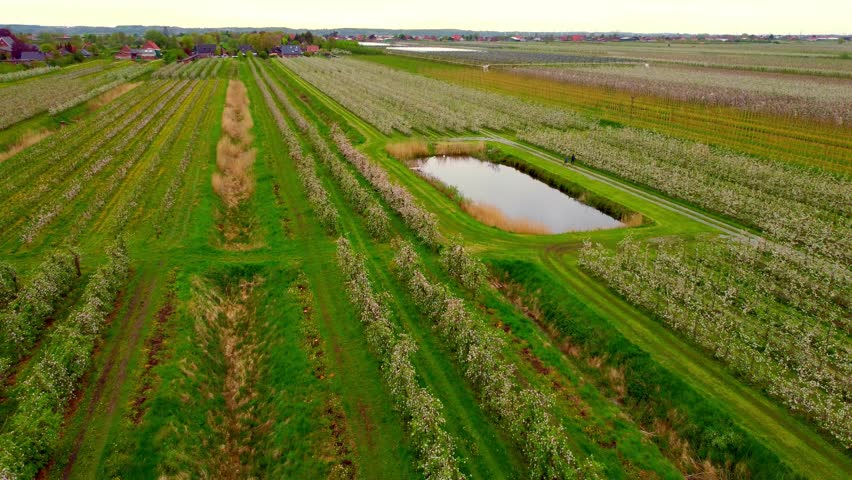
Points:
[645,16]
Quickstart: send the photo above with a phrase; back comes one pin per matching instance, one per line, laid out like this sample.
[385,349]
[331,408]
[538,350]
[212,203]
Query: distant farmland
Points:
[241,268]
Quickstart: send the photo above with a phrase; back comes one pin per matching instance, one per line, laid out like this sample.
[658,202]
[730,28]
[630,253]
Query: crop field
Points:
[512,57]
[820,98]
[198,69]
[825,59]
[59,91]
[759,116]
[232,268]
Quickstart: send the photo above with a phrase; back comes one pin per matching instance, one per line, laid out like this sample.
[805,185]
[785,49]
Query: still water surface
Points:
[515,194]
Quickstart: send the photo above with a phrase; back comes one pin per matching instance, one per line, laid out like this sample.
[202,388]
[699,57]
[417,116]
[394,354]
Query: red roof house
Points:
[149,51]
[312,49]
[124,54]
[6,44]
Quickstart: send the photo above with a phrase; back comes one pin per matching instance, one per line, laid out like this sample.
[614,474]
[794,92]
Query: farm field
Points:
[771,126]
[823,58]
[237,268]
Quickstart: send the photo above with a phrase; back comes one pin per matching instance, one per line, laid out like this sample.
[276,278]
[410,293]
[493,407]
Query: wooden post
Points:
[77,263]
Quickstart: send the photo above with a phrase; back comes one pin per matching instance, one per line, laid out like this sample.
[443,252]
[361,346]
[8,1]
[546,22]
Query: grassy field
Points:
[233,348]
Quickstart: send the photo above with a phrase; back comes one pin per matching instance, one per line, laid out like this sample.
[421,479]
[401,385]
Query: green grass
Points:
[666,377]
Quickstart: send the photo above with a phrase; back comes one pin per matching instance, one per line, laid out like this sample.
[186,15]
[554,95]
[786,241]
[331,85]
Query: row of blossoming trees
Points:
[525,413]
[107,159]
[434,446]
[422,410]
[808,209]
[376,220]
[87,162]
[305,165]
[777,318]
[804,212]
[50,162]
[51,210]
[31,430]
[61,91]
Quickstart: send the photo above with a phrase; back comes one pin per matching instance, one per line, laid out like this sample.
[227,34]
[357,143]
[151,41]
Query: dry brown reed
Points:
[111,95]
[408,150]
[491,215]
[459,148]
[28,139]
[634,219]
[234,155]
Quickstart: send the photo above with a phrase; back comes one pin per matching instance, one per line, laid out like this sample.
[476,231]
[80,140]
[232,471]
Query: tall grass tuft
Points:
[408,150]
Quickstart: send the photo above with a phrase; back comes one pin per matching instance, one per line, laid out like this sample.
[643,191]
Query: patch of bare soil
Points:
[225,320]
[154,347]
[612,378]
[364,412]
[341,442]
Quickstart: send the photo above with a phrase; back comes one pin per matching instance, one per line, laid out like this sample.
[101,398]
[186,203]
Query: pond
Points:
[501,196]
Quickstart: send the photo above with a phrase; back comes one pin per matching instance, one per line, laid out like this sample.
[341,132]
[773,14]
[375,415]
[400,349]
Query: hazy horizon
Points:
[655,16]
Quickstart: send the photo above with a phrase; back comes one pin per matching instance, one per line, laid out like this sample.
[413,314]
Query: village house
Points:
[32,57]
[124,54]
[290,51]
[312,49]
[149,51]
[6,44]
[205,50]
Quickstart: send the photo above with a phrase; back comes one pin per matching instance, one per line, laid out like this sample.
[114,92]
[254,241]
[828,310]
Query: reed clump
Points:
[460,148]
[491,215]
[408,150]
[634,219]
